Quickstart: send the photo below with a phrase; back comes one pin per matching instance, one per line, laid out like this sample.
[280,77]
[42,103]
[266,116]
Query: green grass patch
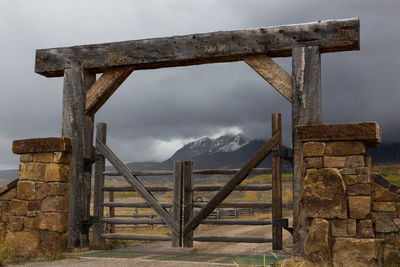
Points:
[253,260]
[390,171]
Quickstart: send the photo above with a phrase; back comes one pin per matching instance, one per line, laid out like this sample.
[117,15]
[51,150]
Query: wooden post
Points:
[177,202]
[187,201]
[277,185]
[100,166]
[112,210]
[79,128]
[306,110]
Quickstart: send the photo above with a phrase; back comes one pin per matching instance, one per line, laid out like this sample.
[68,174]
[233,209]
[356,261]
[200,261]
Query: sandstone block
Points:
[350,179]
[365,229]
[324,194]
[383,194]
[313,149]
[24,243]
[26,190]
[52,243]
[383,206]
[391,256]
[57,173]
[32,213]
[334,162]
[348,171]
[32,222]
[363,174]
[397,241]
[55,203]
[359,207]
[355,161]
[42,190]
[56,188]
[34,205]
[19,207]
[53,221]
[43,157]
[356,252]
[384,222]
[16,223]
[10,194]
[315,162]
[26,158]
[343,227]
[398,209]
[317,242]
[41,145]
[32,171]
[345,148]
[359,190]
[62,157]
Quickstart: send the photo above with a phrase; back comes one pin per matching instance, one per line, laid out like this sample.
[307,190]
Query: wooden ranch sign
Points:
[83,95]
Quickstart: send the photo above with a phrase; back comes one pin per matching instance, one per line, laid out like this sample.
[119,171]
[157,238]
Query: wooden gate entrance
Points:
[182,219]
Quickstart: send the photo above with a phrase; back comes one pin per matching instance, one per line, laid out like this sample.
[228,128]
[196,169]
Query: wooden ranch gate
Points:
[183,220]
[83,95]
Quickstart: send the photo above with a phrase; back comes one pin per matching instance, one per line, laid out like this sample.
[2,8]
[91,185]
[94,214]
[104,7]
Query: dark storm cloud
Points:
[154,112]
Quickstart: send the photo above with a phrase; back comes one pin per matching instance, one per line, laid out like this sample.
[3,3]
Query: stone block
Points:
[314,162]
[52,243]
[345,148]
[16,223]
[26,190]
[25,243]
[32,222]
[313,149]
[397,241]
[41,145]
[26,158]
[344,227]
[19,207]
[53,221]
[56,188]
[365,229]
[384,206]
[350,179]
[359,190]
[57,173]
[43,157]
[317,241]
[10,194]
[355,161]
[391,256]
[34,205]
[383,194]
[398,209]
[334,162]
[62,157]
[363,174]
[384,222]
[324,194]
[359,207]
[32,171]
[33,213]
[348,171]
[55,203]
[356,252]
[42,190]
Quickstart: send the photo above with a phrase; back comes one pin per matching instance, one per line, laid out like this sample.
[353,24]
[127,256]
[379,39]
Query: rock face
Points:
[356,252]
[317,243]
[324,194]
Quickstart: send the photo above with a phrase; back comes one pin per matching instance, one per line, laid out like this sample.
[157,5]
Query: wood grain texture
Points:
[306,110]
[272,73]
[177,208]
[227,46]
[236,222]
[104,87]
[234,239]
[137,237]
[187,238]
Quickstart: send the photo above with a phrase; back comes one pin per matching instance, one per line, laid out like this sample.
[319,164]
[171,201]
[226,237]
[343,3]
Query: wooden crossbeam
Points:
[139,187]
[272,73]
[226,46]
[104,87]
[232,183]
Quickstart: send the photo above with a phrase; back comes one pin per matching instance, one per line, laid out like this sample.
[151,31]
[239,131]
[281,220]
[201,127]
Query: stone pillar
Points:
[38,214]
[338,193]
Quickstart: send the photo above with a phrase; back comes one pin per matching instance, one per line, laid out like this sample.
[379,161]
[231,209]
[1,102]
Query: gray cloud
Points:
[154,112]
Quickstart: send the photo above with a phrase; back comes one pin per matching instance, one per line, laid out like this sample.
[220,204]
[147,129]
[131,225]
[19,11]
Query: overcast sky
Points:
[156,111]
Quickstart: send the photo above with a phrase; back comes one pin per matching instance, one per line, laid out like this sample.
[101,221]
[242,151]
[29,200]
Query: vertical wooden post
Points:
[277,185]
[187,201]
[112,210]
[306,109]
[100,166]
[177,202]
[77,126]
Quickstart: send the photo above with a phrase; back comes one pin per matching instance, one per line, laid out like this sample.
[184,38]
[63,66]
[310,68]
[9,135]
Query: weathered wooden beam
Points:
[236,222]
[132,221]
[232,183]
[249,205]
[104,87]
[130,189]
[187,238]
[177,208]
[237,188]
[141,173]
[227,46]
[234,239]
[369,132]
[137,237]
[134,205]
[201,172]
[306,110]
[272,73]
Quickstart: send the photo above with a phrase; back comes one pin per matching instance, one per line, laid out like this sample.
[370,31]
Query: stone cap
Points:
[41,145]
[368,132]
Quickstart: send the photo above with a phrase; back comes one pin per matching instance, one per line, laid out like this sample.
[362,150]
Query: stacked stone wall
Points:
[34,214]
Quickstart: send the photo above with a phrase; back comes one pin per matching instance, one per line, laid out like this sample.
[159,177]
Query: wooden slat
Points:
[237,188]
[201,172]
[108,154]
[134,205]
[277,185]
[104,87]
[187,238]
[272,73]
[111,199]
[132,221]
[137,237]
[236,222]
[330,36]
[177,208]
[234,239]
[306,110]
[253,205]
[130,189]
[232,183]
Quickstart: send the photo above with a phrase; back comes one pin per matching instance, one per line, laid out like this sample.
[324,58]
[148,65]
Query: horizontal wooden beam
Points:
[137,237]
[134,205]
[236,222]
[235,239]
[131,189]
[237,188]
[104,87]
[194,49]
[132,221]
[369,132]
[272,73]
[249,205]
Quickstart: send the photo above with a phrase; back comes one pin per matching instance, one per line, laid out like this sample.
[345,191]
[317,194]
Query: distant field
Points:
[390,171]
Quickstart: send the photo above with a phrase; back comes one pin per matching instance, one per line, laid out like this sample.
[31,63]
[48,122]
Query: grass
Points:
[390,171]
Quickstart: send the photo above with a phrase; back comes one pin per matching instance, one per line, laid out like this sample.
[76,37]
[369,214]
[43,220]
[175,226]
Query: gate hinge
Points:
[86,224]
[284,223]
[285,153]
